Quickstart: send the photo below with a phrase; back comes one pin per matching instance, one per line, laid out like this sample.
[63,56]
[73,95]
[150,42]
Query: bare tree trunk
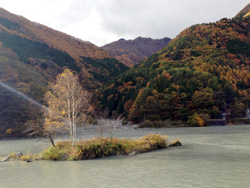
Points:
[73,120]
[52,142]
[74,134]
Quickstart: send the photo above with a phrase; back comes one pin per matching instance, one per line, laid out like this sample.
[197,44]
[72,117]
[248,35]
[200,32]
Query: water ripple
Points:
[206,159]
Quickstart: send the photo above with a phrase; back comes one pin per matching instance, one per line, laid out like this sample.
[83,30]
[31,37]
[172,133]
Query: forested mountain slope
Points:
[244,11]
[204,70]
[32,54]
[131,52]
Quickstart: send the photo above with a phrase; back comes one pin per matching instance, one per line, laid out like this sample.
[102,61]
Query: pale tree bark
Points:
[107,124]
[67,102]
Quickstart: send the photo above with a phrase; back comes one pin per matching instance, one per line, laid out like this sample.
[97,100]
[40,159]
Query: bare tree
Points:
[112,126]
[66,102]
[107,124]
[102,122]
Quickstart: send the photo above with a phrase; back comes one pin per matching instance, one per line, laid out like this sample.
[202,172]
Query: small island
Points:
[98,148]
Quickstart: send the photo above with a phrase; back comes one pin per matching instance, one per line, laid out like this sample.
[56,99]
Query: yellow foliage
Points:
[174,94]
[148,84]
[240,92]
[26,157]
[200,121]
[246,15]
[196,120]
[244,93]
[9,131]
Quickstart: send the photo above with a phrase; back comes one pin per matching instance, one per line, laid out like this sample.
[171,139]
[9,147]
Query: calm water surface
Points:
[210,157]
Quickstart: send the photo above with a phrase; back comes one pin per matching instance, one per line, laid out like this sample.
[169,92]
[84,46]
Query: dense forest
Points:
[203,72]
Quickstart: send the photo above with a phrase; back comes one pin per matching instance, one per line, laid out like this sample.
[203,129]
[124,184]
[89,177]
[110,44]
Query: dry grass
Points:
[102,147]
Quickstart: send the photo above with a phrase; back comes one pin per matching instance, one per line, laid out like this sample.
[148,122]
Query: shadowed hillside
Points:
[31,55]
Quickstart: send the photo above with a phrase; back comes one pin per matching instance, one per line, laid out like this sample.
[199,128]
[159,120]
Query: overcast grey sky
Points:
[105,21]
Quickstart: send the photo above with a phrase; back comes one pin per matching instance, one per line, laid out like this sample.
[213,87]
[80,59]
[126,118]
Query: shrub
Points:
[174,123]
[155,141]
[55,153]
[167,122]
[205,117]
[26,157]
[63,144]
[158,124]
[145,144]
[195,121]
[146,123]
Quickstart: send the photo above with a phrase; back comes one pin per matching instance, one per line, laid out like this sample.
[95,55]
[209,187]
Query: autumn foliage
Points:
[204,70]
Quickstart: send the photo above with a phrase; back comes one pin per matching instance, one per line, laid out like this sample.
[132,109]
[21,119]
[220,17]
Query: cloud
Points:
[104,21]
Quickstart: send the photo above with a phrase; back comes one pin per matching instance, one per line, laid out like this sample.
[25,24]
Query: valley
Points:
[196,77]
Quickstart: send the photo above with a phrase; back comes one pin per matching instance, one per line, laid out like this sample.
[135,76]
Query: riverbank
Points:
[93,128]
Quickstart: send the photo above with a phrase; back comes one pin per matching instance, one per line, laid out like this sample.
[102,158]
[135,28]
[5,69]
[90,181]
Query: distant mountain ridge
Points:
[131,52]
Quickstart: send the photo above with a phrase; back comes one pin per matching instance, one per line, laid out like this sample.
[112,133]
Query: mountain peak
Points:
[121,39]
[134,51]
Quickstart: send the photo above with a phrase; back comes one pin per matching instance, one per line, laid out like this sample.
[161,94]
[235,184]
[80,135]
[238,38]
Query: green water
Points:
[210,157]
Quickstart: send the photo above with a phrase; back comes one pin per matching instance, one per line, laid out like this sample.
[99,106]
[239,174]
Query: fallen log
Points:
[5,159]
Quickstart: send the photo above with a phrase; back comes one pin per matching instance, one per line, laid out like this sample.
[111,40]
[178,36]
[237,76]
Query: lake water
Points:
[210,157]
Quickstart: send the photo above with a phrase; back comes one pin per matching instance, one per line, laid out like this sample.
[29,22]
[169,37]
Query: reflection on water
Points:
[209,157]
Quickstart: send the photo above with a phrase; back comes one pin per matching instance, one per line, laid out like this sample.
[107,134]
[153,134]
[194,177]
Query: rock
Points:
[19,154]
[133,153]
[175,143]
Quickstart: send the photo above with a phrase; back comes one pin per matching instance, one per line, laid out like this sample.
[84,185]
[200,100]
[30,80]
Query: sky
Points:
[104,21]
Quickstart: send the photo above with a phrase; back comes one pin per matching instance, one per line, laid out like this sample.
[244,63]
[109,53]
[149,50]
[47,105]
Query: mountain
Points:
[131,52]
[31,55]
[29,41]
[203,72]
[244,11]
